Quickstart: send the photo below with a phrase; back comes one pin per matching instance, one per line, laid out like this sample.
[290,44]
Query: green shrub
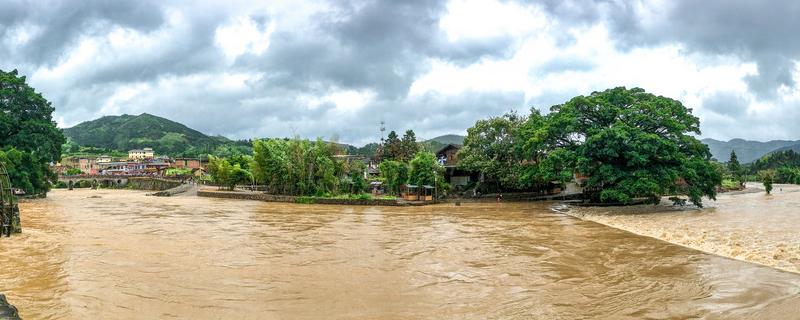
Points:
[363,196]
[730,184]
[304,200]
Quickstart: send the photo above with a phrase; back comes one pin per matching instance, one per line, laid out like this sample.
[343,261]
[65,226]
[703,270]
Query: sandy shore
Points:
[747,225]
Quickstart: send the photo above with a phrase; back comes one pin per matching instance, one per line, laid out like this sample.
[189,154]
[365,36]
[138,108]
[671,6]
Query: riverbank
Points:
[746,225]
[260,196]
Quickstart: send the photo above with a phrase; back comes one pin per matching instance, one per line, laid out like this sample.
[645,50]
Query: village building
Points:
[198,166]
[104,159]
[188,163]
[141,154]
[132,168]
[88,166]
[448,158]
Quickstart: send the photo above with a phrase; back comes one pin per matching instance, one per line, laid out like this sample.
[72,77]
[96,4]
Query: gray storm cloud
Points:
[374,48]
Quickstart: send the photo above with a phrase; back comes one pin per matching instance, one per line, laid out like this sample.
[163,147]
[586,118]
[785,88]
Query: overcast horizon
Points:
[337,68]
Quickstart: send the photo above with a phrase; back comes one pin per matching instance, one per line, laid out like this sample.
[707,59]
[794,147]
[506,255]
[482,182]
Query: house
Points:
[448,155]
[88,166]
[141,154]
[448,158]
[188,163]
[158,165]
[104,159]
[121,168]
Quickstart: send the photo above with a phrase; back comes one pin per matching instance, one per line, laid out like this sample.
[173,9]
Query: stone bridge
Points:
[95,180]
[145,182]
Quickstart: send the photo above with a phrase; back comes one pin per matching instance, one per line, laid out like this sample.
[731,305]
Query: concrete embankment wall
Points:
[171,192]
[293,199]
[154,184]
[7,311]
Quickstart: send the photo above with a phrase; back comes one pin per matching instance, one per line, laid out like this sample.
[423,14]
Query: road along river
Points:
[103,254]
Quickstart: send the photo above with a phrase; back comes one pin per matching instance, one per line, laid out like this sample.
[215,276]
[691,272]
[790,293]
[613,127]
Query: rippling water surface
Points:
[749,225]
[120,254]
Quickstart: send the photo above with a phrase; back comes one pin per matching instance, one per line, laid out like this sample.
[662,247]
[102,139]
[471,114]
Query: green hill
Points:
[439,142]
[127,132]
[776,160]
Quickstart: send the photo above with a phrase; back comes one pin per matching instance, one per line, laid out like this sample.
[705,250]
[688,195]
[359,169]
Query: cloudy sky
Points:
[337,68]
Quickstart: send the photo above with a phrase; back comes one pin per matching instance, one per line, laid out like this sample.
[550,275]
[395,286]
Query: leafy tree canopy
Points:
[492,148]
[28,134]
[26,119]
[426,170]
[395,174]
[629,143]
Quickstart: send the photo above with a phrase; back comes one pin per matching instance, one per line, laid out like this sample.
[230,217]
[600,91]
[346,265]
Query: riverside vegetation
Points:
[629,144]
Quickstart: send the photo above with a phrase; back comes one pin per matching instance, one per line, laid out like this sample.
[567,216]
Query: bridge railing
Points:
[113,176]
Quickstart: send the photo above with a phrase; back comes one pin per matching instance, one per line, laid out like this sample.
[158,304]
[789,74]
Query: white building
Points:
[140,154]
[104,159]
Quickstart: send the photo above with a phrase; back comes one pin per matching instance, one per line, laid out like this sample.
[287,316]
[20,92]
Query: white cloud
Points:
[468,19]
[243,36]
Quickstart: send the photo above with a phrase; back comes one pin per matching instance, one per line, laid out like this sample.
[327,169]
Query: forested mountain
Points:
[747,151]
[131,132]
[776,160]
[794,147]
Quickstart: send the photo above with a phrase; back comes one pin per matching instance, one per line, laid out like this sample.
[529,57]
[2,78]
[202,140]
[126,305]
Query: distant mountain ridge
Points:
[127,132]
[747,151]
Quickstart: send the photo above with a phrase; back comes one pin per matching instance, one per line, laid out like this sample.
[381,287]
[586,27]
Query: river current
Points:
[110,254]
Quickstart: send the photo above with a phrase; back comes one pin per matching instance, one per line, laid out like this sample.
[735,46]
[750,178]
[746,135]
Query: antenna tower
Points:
[383,129]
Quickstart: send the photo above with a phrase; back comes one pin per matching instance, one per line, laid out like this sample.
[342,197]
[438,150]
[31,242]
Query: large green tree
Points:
[735,168]
[297,167]
[395,174]
[226,174]
[27,126]
[408,146]
[426,170]
[492,148]
[392,148]
[630,144]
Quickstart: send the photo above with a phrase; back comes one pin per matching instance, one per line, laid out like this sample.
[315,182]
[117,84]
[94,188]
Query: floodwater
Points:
[104,254]
[751,226]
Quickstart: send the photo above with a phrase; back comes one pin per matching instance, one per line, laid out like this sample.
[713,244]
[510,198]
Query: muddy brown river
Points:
[122,255]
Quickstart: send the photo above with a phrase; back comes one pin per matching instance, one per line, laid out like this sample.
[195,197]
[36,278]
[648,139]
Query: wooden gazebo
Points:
[409,192]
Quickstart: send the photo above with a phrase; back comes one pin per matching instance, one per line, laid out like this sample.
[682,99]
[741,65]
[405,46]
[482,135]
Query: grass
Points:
[304,200]
[347,196]
[729,184]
